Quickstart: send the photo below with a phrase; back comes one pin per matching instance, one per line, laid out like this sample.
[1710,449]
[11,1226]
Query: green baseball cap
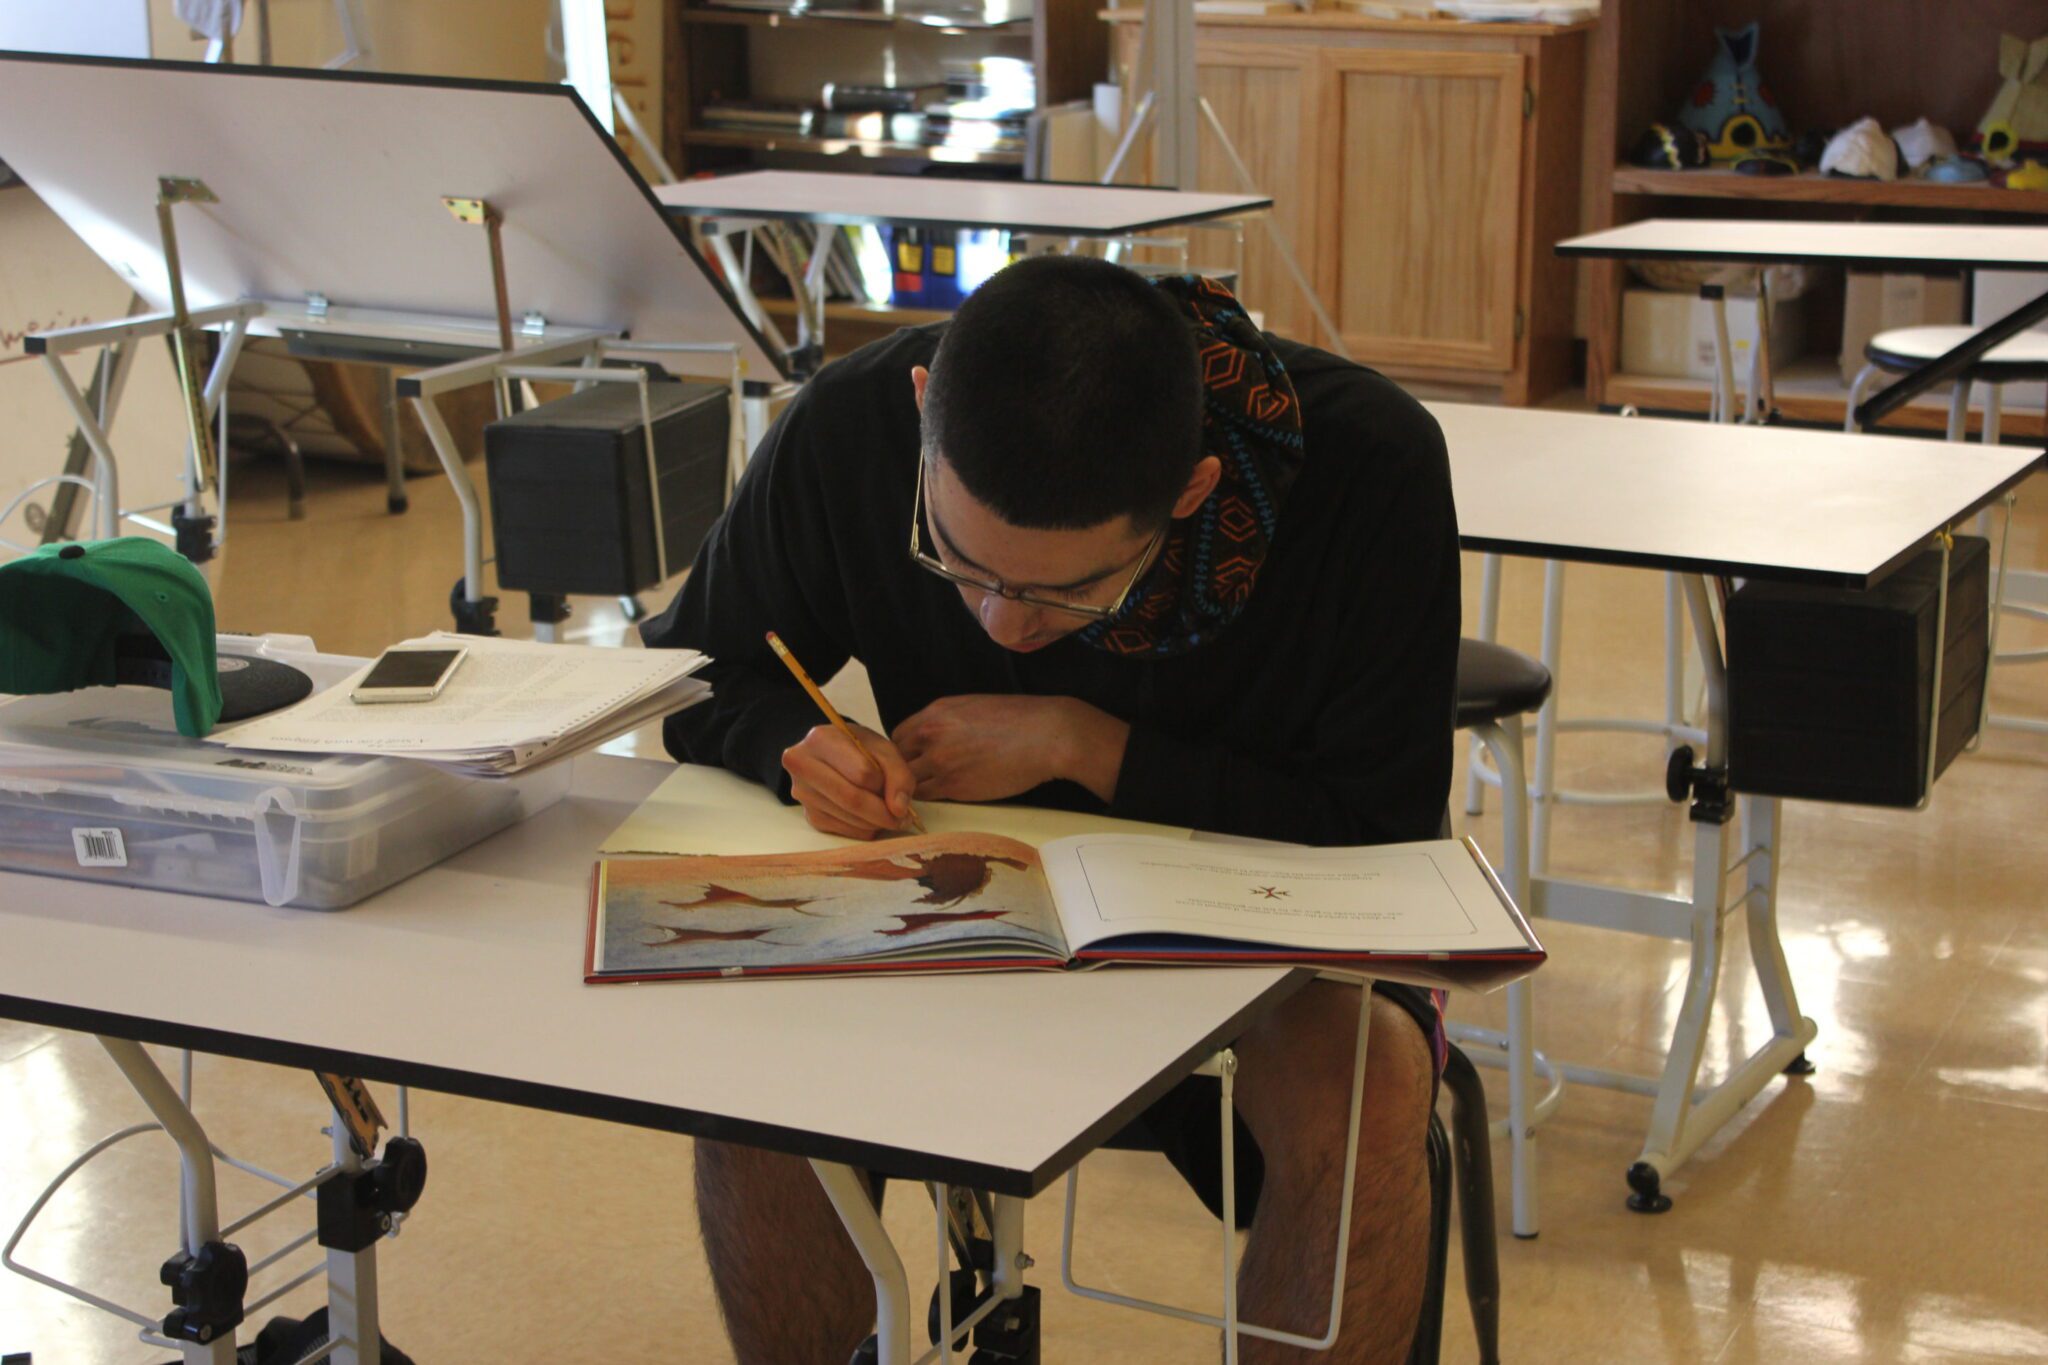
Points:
[98,613]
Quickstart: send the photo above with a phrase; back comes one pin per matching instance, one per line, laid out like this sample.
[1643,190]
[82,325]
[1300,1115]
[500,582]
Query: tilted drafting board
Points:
[330,183]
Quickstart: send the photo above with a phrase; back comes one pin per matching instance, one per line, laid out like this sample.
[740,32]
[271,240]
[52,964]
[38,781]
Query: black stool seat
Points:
[1495,682]
[2018,360]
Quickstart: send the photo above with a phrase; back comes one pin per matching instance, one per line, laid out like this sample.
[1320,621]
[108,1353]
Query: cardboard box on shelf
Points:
[1877,303]
[1672,334]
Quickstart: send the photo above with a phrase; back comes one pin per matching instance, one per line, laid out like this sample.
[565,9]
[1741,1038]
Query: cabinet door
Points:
[1264,96]
[1421,217]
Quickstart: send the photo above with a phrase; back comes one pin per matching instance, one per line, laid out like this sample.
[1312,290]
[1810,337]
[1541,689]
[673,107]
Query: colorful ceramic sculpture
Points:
[2016,124]
[1731,106]
[1666,148]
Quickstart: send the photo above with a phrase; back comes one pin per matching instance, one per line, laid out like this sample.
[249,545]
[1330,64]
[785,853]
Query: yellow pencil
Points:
[831,712]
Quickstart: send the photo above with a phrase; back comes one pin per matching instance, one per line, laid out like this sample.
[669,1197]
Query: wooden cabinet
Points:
[1265,95]
[1422,171]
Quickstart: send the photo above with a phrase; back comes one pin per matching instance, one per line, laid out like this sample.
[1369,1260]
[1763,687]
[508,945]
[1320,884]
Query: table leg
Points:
[855,1205]
[351,1278]
[1684,1115]
[199,1206]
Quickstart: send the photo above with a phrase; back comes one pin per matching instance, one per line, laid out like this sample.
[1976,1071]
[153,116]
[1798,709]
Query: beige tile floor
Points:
[1890,1207]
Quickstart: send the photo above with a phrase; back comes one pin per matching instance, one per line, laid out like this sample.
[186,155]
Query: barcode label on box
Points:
[99,848]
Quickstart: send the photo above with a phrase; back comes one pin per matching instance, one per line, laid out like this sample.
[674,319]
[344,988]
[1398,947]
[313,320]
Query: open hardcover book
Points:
[1431,913]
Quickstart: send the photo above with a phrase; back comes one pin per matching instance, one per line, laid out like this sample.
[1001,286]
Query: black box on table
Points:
[1830,689]
[574,505]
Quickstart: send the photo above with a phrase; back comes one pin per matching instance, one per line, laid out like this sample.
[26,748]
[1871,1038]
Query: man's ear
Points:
[919,377]
[1202,481]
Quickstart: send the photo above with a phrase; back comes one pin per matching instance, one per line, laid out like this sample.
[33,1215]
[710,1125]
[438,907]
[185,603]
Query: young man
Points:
[1102,544]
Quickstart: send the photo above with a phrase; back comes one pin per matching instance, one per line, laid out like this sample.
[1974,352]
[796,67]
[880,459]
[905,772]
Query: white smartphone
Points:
[409,675]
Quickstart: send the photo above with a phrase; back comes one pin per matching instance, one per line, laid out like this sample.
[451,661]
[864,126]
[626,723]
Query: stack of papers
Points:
[512,705]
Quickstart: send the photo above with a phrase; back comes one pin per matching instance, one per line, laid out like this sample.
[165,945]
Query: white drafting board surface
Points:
[468,978]
[330,182]
[1018,206]
[1900,246]
[1756,502]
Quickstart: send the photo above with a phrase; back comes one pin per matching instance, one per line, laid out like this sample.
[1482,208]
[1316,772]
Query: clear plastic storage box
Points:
[99,785]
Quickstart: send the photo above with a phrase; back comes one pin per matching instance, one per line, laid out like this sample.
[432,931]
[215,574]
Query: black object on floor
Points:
[287,1341]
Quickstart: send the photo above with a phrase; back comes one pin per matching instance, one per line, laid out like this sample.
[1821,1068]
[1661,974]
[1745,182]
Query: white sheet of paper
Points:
[511,698]
[1424,897]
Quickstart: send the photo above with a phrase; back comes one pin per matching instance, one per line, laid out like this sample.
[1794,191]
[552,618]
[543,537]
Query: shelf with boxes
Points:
[906,87]
[874,82]
[1826,74]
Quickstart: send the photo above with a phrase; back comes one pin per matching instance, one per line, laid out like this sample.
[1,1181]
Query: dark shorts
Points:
[1182,1123]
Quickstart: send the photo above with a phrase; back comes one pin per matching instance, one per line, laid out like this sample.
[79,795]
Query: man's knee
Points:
[1297,1075]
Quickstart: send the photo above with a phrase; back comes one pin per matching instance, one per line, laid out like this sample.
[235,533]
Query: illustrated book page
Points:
[951,902]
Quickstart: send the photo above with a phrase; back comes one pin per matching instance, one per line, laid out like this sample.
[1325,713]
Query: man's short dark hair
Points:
[1065,393]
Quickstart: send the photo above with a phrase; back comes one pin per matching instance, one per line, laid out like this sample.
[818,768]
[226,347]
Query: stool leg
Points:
[1472,1162]
[1959,411]
[1863,378]
[1489,629]
[1429,1326]
[1546,720]
[1505,741]
[1674,651]
[1994,420]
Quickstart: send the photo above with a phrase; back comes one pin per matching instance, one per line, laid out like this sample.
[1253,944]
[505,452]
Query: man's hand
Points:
[984,748]
[840,790]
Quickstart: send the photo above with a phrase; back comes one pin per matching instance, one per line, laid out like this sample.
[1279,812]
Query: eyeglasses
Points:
[932,564]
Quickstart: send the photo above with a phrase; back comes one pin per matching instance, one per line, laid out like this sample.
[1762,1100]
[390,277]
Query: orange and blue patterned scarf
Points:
[1251,421]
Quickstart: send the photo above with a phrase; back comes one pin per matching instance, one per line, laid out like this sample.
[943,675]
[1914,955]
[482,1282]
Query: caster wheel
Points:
[1648,1196]
[869,1352]
[963,1286]
[1800,1066]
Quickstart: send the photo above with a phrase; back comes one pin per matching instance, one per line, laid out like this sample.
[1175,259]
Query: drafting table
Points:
[1033,207]
[1923,247]
[1702,500]
[732,204]
[468,979]
[330,229]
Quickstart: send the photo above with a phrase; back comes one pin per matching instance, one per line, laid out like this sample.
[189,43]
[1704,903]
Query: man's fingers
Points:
[862,805]
[899,777]
[826,814]
[835,751]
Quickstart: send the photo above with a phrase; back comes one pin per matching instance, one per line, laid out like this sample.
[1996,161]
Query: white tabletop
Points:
[1900,246]
[468,979]
[931,201]
[1752,502]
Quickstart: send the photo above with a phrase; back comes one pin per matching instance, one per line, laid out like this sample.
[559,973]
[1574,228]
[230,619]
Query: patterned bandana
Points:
[1251,421]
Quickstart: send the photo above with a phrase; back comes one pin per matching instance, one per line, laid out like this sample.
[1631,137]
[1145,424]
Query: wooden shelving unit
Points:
[1827,71]
[854,149]
[1809,390]
[1819,189]
[741,18]
[714,53]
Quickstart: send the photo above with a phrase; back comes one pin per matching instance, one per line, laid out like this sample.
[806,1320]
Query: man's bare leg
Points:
[792,1288]
[1294,1090]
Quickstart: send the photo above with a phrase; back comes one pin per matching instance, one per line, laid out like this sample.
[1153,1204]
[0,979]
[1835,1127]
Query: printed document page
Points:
[509,702]
[1400,898]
